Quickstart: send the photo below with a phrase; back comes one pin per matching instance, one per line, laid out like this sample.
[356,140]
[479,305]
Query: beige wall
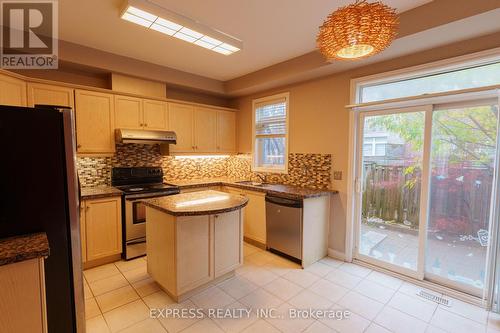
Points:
[319,122]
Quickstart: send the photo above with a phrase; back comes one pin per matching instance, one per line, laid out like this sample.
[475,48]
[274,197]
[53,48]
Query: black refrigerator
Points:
[40,193]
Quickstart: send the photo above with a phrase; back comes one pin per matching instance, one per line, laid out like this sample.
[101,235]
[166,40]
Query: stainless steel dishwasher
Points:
[284,225]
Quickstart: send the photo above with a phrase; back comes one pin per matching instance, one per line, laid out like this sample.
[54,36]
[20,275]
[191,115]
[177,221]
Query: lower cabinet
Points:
[255,213]
[101,228]
[228,240]
[22,297]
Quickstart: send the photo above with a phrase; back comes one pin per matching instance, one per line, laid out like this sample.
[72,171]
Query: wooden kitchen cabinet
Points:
[83,238]
[50,95]
[22,297]
[102,228]
[155,114]
[128,112]
[180,120]
[12,91]
[228,249]
[226,131]
[205,130]
[95,123]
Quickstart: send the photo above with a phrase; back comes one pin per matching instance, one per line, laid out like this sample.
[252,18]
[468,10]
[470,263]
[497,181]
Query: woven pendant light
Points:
[357,31]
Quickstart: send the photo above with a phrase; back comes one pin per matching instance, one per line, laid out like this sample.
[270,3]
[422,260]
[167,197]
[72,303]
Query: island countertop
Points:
[197,203]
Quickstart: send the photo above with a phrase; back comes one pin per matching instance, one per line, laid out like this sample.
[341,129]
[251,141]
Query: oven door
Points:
[135,220]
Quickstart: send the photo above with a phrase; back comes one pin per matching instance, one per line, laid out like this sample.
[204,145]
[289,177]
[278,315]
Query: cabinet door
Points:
[128,112]
[228,242]
[155,114]
[103,225]
[94,122]
[50,95]
[205,130]
[255,217]
[22,297]
[83,238]
[12,91]
[194,252]
[226,131]
[180,120]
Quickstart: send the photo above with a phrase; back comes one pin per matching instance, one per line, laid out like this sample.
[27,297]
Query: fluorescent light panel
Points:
[151,21]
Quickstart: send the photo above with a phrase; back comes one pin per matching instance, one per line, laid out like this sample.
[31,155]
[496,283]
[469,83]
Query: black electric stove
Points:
[137,184]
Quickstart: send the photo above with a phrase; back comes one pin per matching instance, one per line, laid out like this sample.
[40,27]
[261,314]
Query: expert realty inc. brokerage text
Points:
[237,313]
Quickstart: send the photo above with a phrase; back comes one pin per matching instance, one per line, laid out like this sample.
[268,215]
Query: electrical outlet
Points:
[337,175]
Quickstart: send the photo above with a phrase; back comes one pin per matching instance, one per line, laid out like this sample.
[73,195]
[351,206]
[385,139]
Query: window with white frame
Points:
[445,78]
[374,146]
[270,133]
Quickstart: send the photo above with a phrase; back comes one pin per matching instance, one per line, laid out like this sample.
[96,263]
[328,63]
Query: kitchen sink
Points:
[250,182]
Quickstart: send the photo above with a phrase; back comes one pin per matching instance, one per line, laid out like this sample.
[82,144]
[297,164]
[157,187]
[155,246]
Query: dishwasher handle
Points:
[285,201]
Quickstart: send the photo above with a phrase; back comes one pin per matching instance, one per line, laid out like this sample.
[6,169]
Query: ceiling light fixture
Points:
[357,31]
[154,17]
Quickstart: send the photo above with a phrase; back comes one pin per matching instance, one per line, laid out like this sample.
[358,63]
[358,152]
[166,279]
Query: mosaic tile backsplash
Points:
[307,170]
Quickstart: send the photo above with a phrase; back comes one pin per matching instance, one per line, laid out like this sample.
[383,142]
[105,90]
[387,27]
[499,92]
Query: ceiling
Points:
[272,32]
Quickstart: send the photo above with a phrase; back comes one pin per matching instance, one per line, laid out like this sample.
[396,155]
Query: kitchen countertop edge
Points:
[98,192]
[24,247]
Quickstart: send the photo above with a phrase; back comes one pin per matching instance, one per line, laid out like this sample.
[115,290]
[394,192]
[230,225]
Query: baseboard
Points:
[336,254]
[255,243]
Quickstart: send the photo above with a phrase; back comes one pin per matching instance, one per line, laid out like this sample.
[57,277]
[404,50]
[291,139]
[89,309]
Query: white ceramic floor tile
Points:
[261,326]
[399,322]
[101,272]
[353,324]
[91,308]
[249,249]
[136,274]
[319,269]
[306,299]
[319,327]
[102,286]
[329,290]
[175,324]
[124,265]
[354,269]
[203,326]
[413,289]
[158,300]
[283,288]
[126,315]
[342,278]
[231,325]
[385,280]
[237,287]
[116,298]
[467,310]
[335,263]
[289,324]
[260,299]
[361,305]
[301,277]
[414,306]
[146,326]
[213,297]
[146,287]
[86,290]
[454,323]
[259,258]
[375,291]
[433,329]
[374,328]
[260,276]
[96,325]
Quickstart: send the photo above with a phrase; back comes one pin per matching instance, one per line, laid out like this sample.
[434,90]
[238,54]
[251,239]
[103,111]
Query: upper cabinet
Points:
[226,131]
[202,129]
[50,95]
[180,120]
[138,113]
[205,130]
[12,91]
[94,122]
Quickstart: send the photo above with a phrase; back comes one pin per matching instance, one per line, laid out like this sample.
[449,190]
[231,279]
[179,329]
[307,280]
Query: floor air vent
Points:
[434,298]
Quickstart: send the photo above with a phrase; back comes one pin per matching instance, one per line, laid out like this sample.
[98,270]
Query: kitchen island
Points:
[194,240]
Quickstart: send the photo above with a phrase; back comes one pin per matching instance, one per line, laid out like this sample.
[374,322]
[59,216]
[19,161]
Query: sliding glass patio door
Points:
[425,181]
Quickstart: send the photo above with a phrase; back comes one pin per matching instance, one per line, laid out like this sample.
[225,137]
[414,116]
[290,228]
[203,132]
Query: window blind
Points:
[270,118]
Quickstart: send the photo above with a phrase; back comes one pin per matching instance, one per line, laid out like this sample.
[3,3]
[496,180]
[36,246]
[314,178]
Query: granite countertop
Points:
[25,247]
[197,203]
[289,191]
[100,192]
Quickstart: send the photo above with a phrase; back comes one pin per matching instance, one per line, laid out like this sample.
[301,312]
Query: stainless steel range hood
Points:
[149,137]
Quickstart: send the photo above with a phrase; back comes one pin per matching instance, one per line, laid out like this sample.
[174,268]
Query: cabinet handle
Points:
[78,146]
[87,208]
[216,216]
[145,125]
